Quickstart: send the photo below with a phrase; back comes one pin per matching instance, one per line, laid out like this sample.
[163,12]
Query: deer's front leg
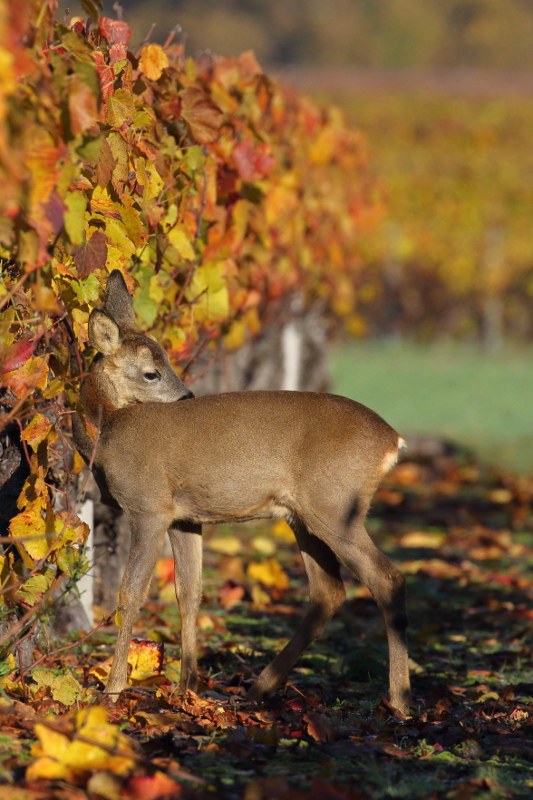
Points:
[186,542]
[147,534]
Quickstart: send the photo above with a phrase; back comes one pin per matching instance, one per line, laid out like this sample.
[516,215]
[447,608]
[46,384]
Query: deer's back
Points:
[250,445]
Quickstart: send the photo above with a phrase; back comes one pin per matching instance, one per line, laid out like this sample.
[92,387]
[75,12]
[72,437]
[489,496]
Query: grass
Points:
[458,392]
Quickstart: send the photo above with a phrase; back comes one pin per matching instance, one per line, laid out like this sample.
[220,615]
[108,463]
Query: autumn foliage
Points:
[213,189]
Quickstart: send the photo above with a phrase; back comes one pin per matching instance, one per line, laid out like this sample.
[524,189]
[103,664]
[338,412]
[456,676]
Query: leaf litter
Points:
[462,534]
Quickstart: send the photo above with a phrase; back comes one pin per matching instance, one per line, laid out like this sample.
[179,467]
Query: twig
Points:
[148,35]
[7,298]
[170,38]
[21,673]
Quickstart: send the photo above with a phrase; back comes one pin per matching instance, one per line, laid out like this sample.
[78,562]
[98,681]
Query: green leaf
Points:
[89,74]
[71,561]
[87,291]
[35,587]
[90,148]
[77,47]
[145,308]
[120,108]
[194,157]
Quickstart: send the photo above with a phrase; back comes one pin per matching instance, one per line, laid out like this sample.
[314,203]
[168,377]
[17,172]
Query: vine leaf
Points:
[91,255]
[202,116]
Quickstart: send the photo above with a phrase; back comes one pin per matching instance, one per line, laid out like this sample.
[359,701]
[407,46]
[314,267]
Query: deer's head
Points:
[131,367]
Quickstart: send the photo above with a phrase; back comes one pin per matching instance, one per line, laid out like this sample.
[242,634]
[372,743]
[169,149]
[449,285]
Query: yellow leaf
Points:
[323,147]
[149,178]
[153,61]
[6,681]
[179,239]
[47,769]
[283,531]
[146,660]
[62,756]
[69,529]
[77,464]
[102,670]
[37,431]
[264,545]
[208,292]
[236,336]
[240,215]
[75,216]
[44,300]
[269,573]
[118,238]
[64,688]
[30,526]
[260,598]
[173,670]
[228,545]
[156,291]
[429,539]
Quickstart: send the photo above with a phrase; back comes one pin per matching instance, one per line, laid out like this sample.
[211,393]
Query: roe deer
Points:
[173,462]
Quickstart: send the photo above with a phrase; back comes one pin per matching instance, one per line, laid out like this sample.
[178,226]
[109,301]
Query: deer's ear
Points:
[117,301]
[104,333]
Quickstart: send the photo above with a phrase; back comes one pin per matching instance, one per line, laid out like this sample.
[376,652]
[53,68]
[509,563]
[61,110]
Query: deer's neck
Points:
[98,397]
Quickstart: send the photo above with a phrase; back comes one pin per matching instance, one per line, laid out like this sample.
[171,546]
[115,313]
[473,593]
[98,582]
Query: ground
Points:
[463,536]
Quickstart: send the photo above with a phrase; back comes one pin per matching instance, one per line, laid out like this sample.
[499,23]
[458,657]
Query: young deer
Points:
[173,462]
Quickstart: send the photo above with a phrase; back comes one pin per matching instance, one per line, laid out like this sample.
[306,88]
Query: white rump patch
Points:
[391,458]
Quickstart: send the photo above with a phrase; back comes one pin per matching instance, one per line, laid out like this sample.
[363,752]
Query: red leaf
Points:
[202,116]
[91,255]
[115,31]
[252,161]
[117,52]
[153,786]
[106,165]
[105,73]
[243,158]
[82,107]
[55,211]
[17,355]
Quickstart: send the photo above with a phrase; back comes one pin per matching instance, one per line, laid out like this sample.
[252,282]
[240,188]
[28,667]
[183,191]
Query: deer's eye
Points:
[151,376]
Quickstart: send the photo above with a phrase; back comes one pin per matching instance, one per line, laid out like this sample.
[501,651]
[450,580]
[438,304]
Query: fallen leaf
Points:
[270,573]
[228,545]
[319,727]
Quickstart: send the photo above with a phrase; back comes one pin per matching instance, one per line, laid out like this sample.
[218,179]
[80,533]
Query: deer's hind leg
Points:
[326,595]
[355,550]
[186,542]
[147,534]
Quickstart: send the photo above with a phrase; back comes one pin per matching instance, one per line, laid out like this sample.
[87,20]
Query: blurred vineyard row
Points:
[454,254]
